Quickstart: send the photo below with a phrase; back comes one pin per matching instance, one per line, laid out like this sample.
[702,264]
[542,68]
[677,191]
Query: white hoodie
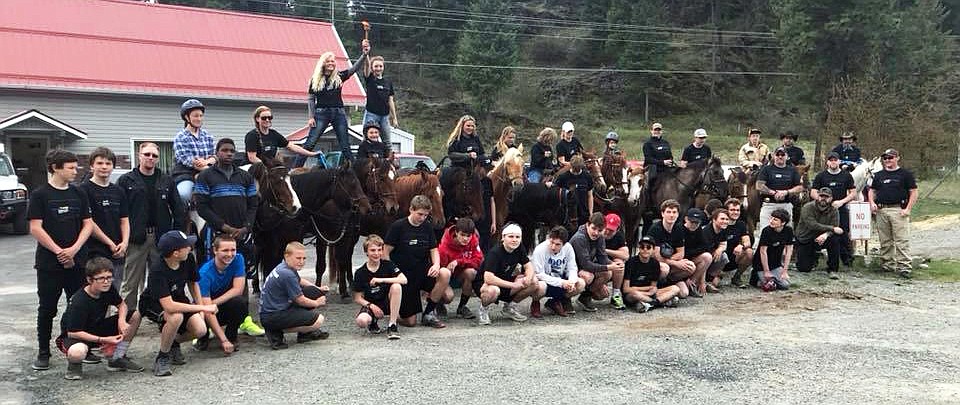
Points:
[554,269]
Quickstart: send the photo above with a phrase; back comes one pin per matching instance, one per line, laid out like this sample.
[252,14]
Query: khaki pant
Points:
[139,256]
[894,232]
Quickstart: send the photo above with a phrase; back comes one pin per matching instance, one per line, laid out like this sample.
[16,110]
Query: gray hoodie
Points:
[591,254]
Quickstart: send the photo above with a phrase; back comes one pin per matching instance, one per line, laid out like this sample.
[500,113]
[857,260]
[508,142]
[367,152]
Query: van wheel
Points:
[20,224]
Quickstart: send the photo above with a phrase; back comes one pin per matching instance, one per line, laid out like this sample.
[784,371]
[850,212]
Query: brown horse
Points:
[421,182]
[507,178]
[743,186]
[616,197]
[702,179]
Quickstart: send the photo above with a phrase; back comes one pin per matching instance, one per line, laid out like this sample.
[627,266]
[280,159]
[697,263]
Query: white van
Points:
[13,197]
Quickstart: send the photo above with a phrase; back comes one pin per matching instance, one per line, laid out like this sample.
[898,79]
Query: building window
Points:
[166,154]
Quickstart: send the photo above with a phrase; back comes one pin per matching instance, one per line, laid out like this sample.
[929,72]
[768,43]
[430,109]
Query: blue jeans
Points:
[185,189]
[384,122]
[328,116]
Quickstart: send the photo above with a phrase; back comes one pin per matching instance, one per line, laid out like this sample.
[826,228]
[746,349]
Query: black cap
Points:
[780,149]
[833,155]
[890,152]
[647,240]
[173,240]
[696,215]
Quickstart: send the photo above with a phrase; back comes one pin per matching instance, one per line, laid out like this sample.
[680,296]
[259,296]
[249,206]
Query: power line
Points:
[595,70]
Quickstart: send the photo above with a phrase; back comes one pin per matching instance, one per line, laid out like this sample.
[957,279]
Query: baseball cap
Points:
[656,125]
[890,152]
[825,191]
[700,133]
[696,215]
[567,126]
[833,155]
[755,131]
[173,240]
[612,221]
[648,240]
[780,149]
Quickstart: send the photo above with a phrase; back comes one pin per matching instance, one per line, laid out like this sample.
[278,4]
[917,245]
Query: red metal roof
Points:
[132,47]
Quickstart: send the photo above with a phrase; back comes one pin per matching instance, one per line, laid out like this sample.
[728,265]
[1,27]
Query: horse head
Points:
[377,176]
[468,194]
[509,168]
[635,177]
[273,185]
[347,190]
[614,173]
[714,180]
[592,164]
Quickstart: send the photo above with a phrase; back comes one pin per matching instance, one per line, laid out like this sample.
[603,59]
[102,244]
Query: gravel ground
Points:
[863,339]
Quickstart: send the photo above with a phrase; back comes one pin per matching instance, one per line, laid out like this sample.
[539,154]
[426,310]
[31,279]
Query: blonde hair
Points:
[294,247]
[320,81]
[501,145]
[457,129]
[257,112]
[547,135]
[372,240]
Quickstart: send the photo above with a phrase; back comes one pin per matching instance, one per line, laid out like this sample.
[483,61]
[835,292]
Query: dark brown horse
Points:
[377,178]
[462,192]
[700,180]
[616,197]
[537,206]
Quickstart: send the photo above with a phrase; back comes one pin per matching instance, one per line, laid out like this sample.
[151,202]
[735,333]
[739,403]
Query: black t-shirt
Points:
[617,241]
[847,154]
[694,242]
[150,182]
[775,243]
[372,149]
[667,240]
[567,149]
[107,205]
[692,153]
[84,312]
[503,264]
[641,274]
[362,277]
[62,213]
[539,158]
[330,97]
[893,187]
[582,184]
[779,178]
[411,246]
[166,282]
[839,183]
[266,146]
[378,95]
[734,233]
[795,155]
[713,238]
[656,150]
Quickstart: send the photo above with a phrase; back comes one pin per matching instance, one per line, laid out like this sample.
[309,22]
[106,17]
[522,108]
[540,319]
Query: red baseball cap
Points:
[613,221]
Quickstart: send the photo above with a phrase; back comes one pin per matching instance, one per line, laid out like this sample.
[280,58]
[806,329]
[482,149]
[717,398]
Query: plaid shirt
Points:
[186,147]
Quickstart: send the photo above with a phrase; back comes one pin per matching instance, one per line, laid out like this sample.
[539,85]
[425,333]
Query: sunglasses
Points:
[646,247]
[266,117]
[150,155]
[887,157]
[780,154]
[658,129]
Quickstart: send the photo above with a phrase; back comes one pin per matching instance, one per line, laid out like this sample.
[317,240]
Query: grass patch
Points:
[943,200]
[947,271]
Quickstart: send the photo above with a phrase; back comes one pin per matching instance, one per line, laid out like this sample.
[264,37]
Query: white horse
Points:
[863,175]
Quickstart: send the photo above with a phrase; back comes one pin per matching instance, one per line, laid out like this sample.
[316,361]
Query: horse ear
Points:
[345,164]
[520,149]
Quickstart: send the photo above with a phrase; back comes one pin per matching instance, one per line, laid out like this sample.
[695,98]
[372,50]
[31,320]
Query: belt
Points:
[772,201]
[151,229]
[889,206]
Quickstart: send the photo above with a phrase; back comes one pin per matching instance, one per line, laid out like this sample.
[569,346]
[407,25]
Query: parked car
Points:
[410,160]
[13,197]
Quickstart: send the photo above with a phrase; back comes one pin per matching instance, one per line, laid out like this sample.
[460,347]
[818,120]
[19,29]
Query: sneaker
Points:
[672,303]
[905,274]
[693,291]
[161,366]
[275,338]
[393,332]
[737,280]
[42,362]
[441,311]
[484,315]
[250,328]
[642,307]
[202,343]
[567,304]
[374,328]
[834,275]
[510,311]
[432,321]
[465,312]
[92,359]
[535,309]
[176,355]
[556,307]
[311,336]
[617,302]
[586,301]
[74,371]
[123,364]
[712,289]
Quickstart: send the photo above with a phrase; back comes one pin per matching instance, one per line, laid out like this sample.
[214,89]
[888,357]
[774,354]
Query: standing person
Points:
[381,106]
[155,208]
[263,142]
[848,151]
[774,251]
[595,266]
[568,145]
[85,322]
[227,199]
[892,196]
[739,243]
[640,281]
[378,288]
[541,156]
[753,154]
[325,102]
[819,228]
[657,156]
[372,146]
[460,253]
[844,190]
[508,276]
[555,265]
[59,215]
[412,245]
[110,210]
[778,184]
[582,184]
[222,281]
[698,150]
[669,235]
[289,303]
[165,300]
[794,153]
[193,149]
[615,244]
[508,139]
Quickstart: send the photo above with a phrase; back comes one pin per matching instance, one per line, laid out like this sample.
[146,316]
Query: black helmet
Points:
[370,124]
[190,105]
[612,136]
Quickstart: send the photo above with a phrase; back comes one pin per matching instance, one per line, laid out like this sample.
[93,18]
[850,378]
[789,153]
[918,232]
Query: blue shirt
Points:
[214,283]
[186,147]
[280,289]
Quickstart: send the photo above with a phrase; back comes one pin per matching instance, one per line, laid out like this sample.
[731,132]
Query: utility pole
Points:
[333,17]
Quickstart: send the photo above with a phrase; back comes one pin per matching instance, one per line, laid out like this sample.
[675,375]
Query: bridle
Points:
[352,218]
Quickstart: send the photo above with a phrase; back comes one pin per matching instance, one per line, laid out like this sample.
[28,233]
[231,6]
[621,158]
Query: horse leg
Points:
[321,265]
[344,254]
[331,255]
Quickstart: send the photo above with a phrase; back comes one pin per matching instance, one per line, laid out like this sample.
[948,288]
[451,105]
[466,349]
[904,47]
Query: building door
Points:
[28,154]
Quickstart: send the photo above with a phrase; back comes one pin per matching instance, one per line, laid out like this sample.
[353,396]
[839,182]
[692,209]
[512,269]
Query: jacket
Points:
[814,222]
[168,207]
[467,257]
[591,254]
[226,200]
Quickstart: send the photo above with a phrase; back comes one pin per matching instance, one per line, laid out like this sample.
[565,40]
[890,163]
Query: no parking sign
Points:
[859,220]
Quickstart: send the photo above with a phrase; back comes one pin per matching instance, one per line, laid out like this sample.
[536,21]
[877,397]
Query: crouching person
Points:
[502,281]
[596,268]
[165,300]
[221,283]
[85,323]
[774,251]
[378,288]
[640,280]
[555,265]
[289,303]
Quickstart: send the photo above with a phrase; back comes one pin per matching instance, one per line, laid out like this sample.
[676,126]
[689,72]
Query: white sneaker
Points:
[510,311]
[483,317]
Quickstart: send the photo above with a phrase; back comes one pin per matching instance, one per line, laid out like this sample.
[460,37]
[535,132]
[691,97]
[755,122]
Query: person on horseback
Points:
[568,145]
[657,157]
[465,150]
[848,151]
[754,153]
[541,156]
[612,141]
[372,146]
[582,182]
[794,153]
[192,149]
[698,150]
[508,139]
[262,142]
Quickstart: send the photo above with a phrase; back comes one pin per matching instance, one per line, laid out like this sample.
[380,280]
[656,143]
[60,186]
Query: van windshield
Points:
[6,169]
